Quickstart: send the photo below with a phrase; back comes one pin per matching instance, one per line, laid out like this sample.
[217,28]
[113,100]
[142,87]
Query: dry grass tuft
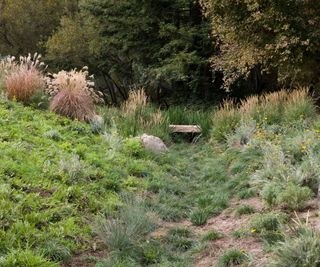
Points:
[73,80]
[22,83]
[72,94]
[273,102]
[278,107]
[6,65]
[137,100]
[249,105]
[73,104]
[228,109]
[22,78]
[155,118]
[298,95]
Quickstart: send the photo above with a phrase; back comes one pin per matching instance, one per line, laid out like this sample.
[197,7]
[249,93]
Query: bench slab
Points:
[185,128]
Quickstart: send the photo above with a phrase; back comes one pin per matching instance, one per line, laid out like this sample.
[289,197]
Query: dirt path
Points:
[226,223]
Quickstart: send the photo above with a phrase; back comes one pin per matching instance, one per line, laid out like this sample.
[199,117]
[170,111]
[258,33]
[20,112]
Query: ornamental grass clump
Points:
[277,108]
[72,94]
[140,116]
[23,79]
[137,100]
[225,120]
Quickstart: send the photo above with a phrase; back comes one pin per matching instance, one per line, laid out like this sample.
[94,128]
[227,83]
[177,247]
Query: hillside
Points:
[73,194]
[55,174]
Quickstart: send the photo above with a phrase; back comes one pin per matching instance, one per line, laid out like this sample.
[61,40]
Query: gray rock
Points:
[97,119]
[153,143]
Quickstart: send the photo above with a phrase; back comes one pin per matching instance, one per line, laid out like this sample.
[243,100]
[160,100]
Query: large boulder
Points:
[153,143]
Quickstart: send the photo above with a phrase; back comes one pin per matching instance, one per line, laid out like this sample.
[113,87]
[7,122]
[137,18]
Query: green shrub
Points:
[199,217]
[124,233]
[211,236]
[293,197]
[299,145]
[55,251]
[53,134]
[133,147]
[233,257]
[299,251]
[268,226]
[204,201]
[73,167]
[180,243]
[308,171]
[152,252]
[246,193]
[220,200]
[242,134]
[25,258]
[240,233]
[179,231]
[245,209]
[179,239]
[287,196]
[270,193]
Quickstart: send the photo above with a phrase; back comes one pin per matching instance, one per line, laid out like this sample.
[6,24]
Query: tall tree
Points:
[161,44]
[271,35]
[25,25]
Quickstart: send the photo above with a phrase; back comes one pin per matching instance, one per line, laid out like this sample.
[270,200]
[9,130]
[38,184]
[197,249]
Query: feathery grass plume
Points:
[137,100]
[73,80]
[33,61]
[281,107]
[72,94]
[139,116]
[272,106]
[23,83]
[278,107]
[298,95]
[23,78]
[6,64]
[300,105]
[155,118]
[249,106]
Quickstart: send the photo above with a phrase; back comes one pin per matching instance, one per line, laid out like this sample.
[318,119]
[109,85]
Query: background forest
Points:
[181,51]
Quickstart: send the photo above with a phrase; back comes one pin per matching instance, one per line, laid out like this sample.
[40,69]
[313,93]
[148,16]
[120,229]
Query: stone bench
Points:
[185,128]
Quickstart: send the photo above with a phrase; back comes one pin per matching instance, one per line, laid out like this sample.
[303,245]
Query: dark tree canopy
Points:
[163,45]
[281,35]
[26,25]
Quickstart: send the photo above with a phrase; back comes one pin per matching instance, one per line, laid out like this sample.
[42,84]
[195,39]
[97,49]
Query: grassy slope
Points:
[56,175]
